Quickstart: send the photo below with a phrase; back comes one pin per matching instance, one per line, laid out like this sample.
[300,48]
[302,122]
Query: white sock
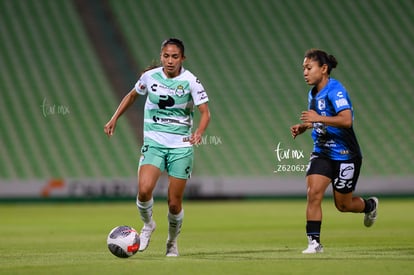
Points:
[174,225]
[145,210]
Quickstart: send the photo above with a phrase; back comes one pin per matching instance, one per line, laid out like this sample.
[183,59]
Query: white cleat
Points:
[145,235]
[172,250]
[313,247]
[370,217]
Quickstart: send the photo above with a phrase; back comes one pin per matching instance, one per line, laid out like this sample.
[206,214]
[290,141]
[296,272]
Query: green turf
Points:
[234,237]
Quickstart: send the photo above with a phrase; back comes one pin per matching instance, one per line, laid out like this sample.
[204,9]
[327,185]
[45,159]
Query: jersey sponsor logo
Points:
[321,104]
[202,97]
[154,87]
[340,94]
[346,175]
[187,170]
[141,159]
[166,120]
[141,86]
[165,101]
[319,128]
[144,149]
[346,171]
[341,102]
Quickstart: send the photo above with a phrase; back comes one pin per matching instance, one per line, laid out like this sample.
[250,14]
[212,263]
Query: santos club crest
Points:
[179,91]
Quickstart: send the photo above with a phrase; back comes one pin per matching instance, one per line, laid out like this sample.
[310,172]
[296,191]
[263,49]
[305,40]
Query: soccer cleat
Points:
[145,235]
[370,217]
[313,247]
[172,250]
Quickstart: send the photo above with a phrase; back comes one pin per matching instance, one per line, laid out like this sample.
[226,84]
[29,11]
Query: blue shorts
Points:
[343,173]
[178,162]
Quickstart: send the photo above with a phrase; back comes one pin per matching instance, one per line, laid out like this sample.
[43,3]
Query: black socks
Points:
[369,205]
[313,230]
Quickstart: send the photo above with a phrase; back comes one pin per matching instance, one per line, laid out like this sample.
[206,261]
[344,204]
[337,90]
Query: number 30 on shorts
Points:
[345,177]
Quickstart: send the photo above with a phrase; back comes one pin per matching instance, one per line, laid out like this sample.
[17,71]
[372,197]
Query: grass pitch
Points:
[218,237]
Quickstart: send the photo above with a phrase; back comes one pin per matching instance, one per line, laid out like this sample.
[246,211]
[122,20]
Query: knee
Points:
[144,194]
[144,191]
[148,176]
[174,207]
[314,196]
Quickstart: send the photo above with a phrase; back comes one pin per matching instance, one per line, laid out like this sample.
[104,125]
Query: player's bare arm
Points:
[204,121]
[298,129]
[342,120]
[127,101]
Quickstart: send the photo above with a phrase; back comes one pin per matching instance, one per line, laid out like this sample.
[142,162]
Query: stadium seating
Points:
[248,55]
[55,100]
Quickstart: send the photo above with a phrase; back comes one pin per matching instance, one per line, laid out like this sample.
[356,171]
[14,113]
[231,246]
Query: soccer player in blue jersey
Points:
[172,92]
[336,156]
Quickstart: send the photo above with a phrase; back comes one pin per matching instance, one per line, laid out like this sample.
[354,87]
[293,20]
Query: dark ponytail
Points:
[323,58]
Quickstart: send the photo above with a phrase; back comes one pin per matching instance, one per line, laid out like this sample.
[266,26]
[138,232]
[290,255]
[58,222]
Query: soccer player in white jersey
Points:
[172,92]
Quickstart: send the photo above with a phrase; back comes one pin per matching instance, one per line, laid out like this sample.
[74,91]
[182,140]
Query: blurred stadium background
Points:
[66,64]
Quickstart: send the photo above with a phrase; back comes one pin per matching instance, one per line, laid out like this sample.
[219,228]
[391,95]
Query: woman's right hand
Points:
[109,127]
[298,129]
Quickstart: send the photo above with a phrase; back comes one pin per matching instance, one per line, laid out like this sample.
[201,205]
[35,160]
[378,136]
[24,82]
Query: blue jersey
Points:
[333,142]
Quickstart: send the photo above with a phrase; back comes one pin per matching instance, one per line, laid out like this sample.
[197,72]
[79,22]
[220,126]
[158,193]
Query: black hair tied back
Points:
[173,41]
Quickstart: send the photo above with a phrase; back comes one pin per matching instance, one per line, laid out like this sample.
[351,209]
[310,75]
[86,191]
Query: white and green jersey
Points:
[168,114]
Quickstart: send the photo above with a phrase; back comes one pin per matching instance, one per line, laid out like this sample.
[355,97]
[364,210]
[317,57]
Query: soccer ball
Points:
[123,241]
